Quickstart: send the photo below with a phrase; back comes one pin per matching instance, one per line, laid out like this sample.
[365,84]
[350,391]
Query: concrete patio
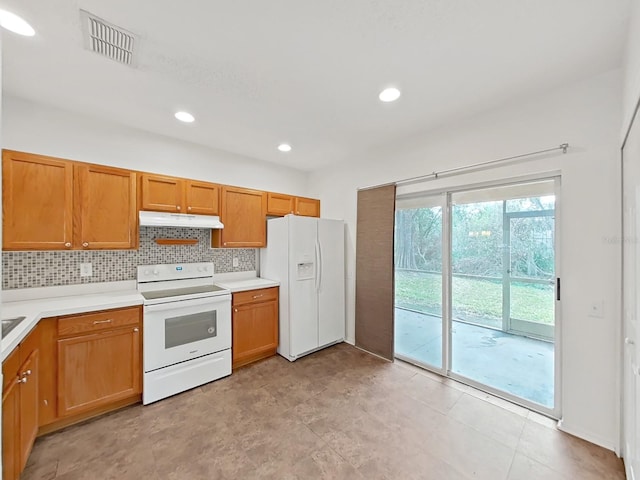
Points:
[517,365]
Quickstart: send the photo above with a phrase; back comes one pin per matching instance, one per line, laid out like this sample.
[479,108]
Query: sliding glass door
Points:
[418,280]
[496,246]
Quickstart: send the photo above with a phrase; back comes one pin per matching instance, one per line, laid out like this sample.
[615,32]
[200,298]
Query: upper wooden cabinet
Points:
[178,195]
[280,204]
[55,204]
[161,194]
[202,198]
[308,207]
[243,213]
[37,202]
[106,208]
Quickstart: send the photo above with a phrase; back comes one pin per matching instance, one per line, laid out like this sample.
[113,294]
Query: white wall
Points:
[38,128]
[631,80]
[586,115]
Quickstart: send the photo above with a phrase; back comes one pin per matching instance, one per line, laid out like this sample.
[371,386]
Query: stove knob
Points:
[200,269]
[156,272]
[205,268]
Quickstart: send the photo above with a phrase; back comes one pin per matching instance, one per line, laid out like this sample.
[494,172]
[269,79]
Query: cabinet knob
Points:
[629,341]
[85,244]
[68,244]
[136,329]
[189,208]
[22,380]
[178,207]
[235,310]
[28,372]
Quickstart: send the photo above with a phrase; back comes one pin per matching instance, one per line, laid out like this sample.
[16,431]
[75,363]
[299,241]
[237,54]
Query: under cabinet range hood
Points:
[161,219]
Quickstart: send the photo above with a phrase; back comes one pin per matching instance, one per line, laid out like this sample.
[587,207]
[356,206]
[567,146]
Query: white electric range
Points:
[187,328]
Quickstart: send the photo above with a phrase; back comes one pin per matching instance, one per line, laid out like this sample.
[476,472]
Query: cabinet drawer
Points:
[96,321]
[252,296]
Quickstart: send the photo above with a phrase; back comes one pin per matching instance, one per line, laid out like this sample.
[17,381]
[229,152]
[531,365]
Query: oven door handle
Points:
[218,300]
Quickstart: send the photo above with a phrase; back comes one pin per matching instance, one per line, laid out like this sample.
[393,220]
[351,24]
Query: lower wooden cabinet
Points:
[20,406]
[11,426]
[255,325]
[66,370]
[96,369]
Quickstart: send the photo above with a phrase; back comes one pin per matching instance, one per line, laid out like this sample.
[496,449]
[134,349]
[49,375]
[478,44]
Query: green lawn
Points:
[476,299]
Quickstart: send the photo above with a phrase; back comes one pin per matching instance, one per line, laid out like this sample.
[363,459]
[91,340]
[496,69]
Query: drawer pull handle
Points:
[96,322]
[258,296]
[27,373]
[22,380]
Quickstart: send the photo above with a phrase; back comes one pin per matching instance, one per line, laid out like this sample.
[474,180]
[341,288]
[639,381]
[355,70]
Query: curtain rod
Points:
[435,175]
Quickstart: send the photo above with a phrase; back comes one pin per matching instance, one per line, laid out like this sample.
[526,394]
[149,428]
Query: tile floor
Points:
[337,414]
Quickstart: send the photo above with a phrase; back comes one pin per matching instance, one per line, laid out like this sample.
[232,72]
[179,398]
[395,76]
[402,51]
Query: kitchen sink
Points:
[9,324]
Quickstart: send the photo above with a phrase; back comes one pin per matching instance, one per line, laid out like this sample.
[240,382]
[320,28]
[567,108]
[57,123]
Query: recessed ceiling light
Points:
[284,147]
[390,94]
[15,24]
[185,117]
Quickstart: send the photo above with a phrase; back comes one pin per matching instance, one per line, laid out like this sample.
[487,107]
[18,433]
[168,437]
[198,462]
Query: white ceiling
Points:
[256,73]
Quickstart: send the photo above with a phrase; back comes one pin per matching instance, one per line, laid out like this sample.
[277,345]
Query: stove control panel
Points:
[174,271]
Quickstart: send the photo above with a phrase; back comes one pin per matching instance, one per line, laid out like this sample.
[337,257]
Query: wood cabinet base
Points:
[254,357]
[82,417]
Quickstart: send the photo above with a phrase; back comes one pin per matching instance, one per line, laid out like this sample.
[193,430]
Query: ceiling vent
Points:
[107,39]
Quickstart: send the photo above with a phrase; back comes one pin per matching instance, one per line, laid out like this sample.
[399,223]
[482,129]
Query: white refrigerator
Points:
[306,255]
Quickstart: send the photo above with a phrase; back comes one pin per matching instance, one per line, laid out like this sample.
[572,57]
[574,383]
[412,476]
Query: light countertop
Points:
[241,281]
[37,308]
[37,303]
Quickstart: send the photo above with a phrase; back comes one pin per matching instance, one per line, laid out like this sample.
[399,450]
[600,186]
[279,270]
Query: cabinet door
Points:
[11,431]
[28,406]
[279,204]
[308,207]
[244,217]
[162,194]
[99,369]
[255,331]
[37,202]
[106,208]
[202,198]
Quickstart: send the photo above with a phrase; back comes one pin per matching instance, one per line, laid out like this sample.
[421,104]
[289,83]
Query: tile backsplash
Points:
[52,268]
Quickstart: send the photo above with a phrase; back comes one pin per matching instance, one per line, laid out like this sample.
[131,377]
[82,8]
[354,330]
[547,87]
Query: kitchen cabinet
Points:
[37,202]
[243,213]
[255,325]
[178,195]
[20,399]
[55,204]
[106,206]
[308,207]
[279,204]
[99,360]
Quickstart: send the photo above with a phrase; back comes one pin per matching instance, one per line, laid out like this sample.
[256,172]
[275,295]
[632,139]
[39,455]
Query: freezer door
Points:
[331,315]
[303,296]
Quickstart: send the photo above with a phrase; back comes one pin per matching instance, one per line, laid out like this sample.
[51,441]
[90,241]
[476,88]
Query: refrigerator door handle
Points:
[319,246]
[317,275]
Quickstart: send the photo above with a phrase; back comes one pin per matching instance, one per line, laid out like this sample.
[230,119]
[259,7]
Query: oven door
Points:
[178,331]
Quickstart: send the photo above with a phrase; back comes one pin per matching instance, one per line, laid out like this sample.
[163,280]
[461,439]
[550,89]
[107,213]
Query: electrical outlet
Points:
[86,270]
[236,263]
